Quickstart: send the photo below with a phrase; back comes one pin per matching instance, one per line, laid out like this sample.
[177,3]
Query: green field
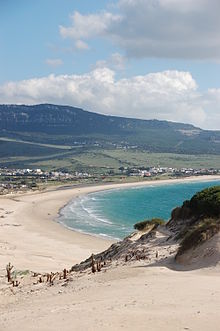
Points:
[48,157]
[166,159]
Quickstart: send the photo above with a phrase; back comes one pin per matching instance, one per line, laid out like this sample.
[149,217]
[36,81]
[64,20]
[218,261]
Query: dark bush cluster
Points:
[206,202]
[203,204]
[183,212]
[140,226]
[203,215]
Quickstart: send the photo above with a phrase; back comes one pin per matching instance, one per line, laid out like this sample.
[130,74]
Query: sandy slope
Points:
[124,298]
[130,297]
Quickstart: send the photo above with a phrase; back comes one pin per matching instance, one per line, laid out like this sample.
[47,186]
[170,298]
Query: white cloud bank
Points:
[187,29]
[170,95]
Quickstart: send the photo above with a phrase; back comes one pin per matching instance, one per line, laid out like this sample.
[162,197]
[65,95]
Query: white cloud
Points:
[54,62]
[115,61]
[81,45]
[170,95]
[155,28]
[86,26]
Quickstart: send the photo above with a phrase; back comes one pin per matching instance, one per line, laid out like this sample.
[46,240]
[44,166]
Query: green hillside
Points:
[51,136]
[63,125]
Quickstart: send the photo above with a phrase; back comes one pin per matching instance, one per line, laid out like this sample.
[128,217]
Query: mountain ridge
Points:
[80,111]
[67,125]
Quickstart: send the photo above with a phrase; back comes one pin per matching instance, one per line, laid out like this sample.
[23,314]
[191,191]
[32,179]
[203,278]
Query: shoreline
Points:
[33,239]
[105,186]
[124,186]
[116,186]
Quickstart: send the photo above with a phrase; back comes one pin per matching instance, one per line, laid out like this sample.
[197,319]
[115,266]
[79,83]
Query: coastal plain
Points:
[124,296]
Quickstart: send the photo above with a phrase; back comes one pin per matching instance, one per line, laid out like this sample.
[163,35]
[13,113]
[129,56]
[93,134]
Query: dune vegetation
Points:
[143,225]
[198,219]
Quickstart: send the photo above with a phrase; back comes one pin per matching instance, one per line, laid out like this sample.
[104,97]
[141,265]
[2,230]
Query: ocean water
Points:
[112,213]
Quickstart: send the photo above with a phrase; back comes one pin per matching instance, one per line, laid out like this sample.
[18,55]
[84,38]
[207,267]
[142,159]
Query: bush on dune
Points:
[200,216]
[203,204]
[206,202]
[140,226]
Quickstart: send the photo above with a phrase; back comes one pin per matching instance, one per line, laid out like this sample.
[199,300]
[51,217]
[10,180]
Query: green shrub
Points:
[183,212]
[140,226]
[206,202]
[203,204]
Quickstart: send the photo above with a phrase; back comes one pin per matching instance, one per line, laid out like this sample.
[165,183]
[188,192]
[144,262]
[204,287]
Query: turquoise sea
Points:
[112,213]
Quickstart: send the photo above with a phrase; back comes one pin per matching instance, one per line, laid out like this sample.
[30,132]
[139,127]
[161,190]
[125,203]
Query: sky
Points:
[149,59]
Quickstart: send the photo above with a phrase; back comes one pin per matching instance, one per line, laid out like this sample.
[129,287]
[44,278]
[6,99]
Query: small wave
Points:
[102,235]
[91,213]
[79,212]
[96,217]
[141,187]
[108,237]
[104,221]
[87,209]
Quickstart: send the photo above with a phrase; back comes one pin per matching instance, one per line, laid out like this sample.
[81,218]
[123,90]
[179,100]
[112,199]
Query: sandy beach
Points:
[122,298]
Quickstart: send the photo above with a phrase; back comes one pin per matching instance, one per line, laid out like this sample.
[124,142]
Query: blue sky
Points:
[171,46]
[30,34]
